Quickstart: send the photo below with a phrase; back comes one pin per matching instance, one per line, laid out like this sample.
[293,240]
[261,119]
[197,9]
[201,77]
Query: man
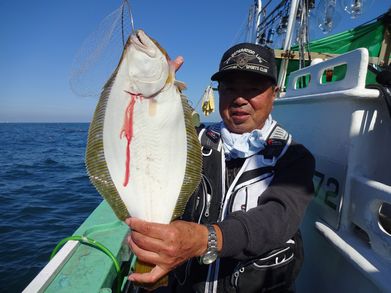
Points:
[240,230]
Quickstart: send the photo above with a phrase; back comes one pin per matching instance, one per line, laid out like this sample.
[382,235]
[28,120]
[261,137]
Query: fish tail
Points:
[142,267]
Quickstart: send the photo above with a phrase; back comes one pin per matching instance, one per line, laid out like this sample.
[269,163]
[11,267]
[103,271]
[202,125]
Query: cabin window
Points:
[361,234]
[302,81]
[333,74]
[385,217]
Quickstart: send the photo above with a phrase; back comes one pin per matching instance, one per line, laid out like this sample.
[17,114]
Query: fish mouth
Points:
[143,43]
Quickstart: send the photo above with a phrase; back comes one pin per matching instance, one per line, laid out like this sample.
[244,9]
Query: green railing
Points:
[90,269]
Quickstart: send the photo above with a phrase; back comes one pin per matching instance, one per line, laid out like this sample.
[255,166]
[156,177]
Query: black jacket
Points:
[249,236]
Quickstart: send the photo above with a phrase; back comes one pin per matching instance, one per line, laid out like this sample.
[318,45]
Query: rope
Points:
[90,242]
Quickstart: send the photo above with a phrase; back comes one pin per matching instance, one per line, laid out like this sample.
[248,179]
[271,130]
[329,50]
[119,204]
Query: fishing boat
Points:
[335,99]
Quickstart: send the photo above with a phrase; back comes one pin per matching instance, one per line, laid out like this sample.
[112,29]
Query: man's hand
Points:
[164,245]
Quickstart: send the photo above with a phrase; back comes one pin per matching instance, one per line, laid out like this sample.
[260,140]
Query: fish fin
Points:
[180,85]
[142,267]
[95,159]
[193,162]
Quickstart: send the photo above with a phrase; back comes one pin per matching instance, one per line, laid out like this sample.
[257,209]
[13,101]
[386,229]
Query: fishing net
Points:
[100,53]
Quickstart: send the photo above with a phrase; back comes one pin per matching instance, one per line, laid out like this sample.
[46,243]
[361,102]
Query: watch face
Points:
[209,257]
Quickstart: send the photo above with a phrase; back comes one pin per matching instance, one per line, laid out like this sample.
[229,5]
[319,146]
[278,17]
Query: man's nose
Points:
[239,100]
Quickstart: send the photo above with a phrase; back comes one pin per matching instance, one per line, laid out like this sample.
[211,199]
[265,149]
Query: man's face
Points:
[246,101]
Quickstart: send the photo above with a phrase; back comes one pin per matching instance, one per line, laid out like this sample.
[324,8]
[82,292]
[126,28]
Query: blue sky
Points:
[40,39]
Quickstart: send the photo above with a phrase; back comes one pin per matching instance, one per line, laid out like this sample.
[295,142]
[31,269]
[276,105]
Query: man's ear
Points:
[276,90]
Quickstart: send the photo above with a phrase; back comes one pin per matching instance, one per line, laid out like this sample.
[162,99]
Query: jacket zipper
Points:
[232,198]
[235,276]
[208,201]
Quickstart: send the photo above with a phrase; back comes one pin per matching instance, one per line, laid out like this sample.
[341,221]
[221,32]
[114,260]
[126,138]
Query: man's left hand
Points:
[164,245]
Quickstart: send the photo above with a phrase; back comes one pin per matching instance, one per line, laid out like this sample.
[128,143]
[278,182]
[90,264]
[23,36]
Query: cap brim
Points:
[220,75]
[217,76]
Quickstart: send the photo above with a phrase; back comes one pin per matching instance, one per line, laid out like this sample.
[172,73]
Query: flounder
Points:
[143,154]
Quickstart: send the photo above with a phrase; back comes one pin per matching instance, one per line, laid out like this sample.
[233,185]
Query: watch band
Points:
[211,252]
[212,238]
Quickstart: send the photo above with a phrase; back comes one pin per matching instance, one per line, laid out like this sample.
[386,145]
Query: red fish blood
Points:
[127,131]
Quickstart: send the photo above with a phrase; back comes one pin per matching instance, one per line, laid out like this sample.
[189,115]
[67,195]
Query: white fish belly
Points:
[158,152]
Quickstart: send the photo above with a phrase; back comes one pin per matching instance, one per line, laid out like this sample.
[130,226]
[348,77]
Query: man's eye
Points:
[257,89]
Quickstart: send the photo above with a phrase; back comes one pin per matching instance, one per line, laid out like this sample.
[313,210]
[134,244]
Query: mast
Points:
[258,9]
[287,42]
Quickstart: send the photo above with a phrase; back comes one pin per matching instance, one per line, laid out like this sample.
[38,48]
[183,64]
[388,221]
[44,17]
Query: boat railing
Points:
[82,267]
[356,63]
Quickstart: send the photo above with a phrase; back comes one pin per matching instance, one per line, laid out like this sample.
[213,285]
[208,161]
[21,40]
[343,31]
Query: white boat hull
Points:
[348,129]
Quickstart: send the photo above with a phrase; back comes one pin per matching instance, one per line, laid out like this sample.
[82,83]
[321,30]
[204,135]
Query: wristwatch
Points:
[211,252]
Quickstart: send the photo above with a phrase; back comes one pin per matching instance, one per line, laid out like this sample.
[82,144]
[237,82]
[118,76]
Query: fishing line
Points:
[240,32]
[126,3]
[122,25]
[130,15]
[98,55]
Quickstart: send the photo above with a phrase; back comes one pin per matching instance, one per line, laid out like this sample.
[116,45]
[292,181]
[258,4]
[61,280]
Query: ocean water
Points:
[45,195]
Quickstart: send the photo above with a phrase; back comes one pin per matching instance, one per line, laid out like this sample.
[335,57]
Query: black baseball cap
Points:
[247,57]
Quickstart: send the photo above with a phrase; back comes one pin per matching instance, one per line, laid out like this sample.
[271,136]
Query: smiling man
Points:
[240,230]
[246,101]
